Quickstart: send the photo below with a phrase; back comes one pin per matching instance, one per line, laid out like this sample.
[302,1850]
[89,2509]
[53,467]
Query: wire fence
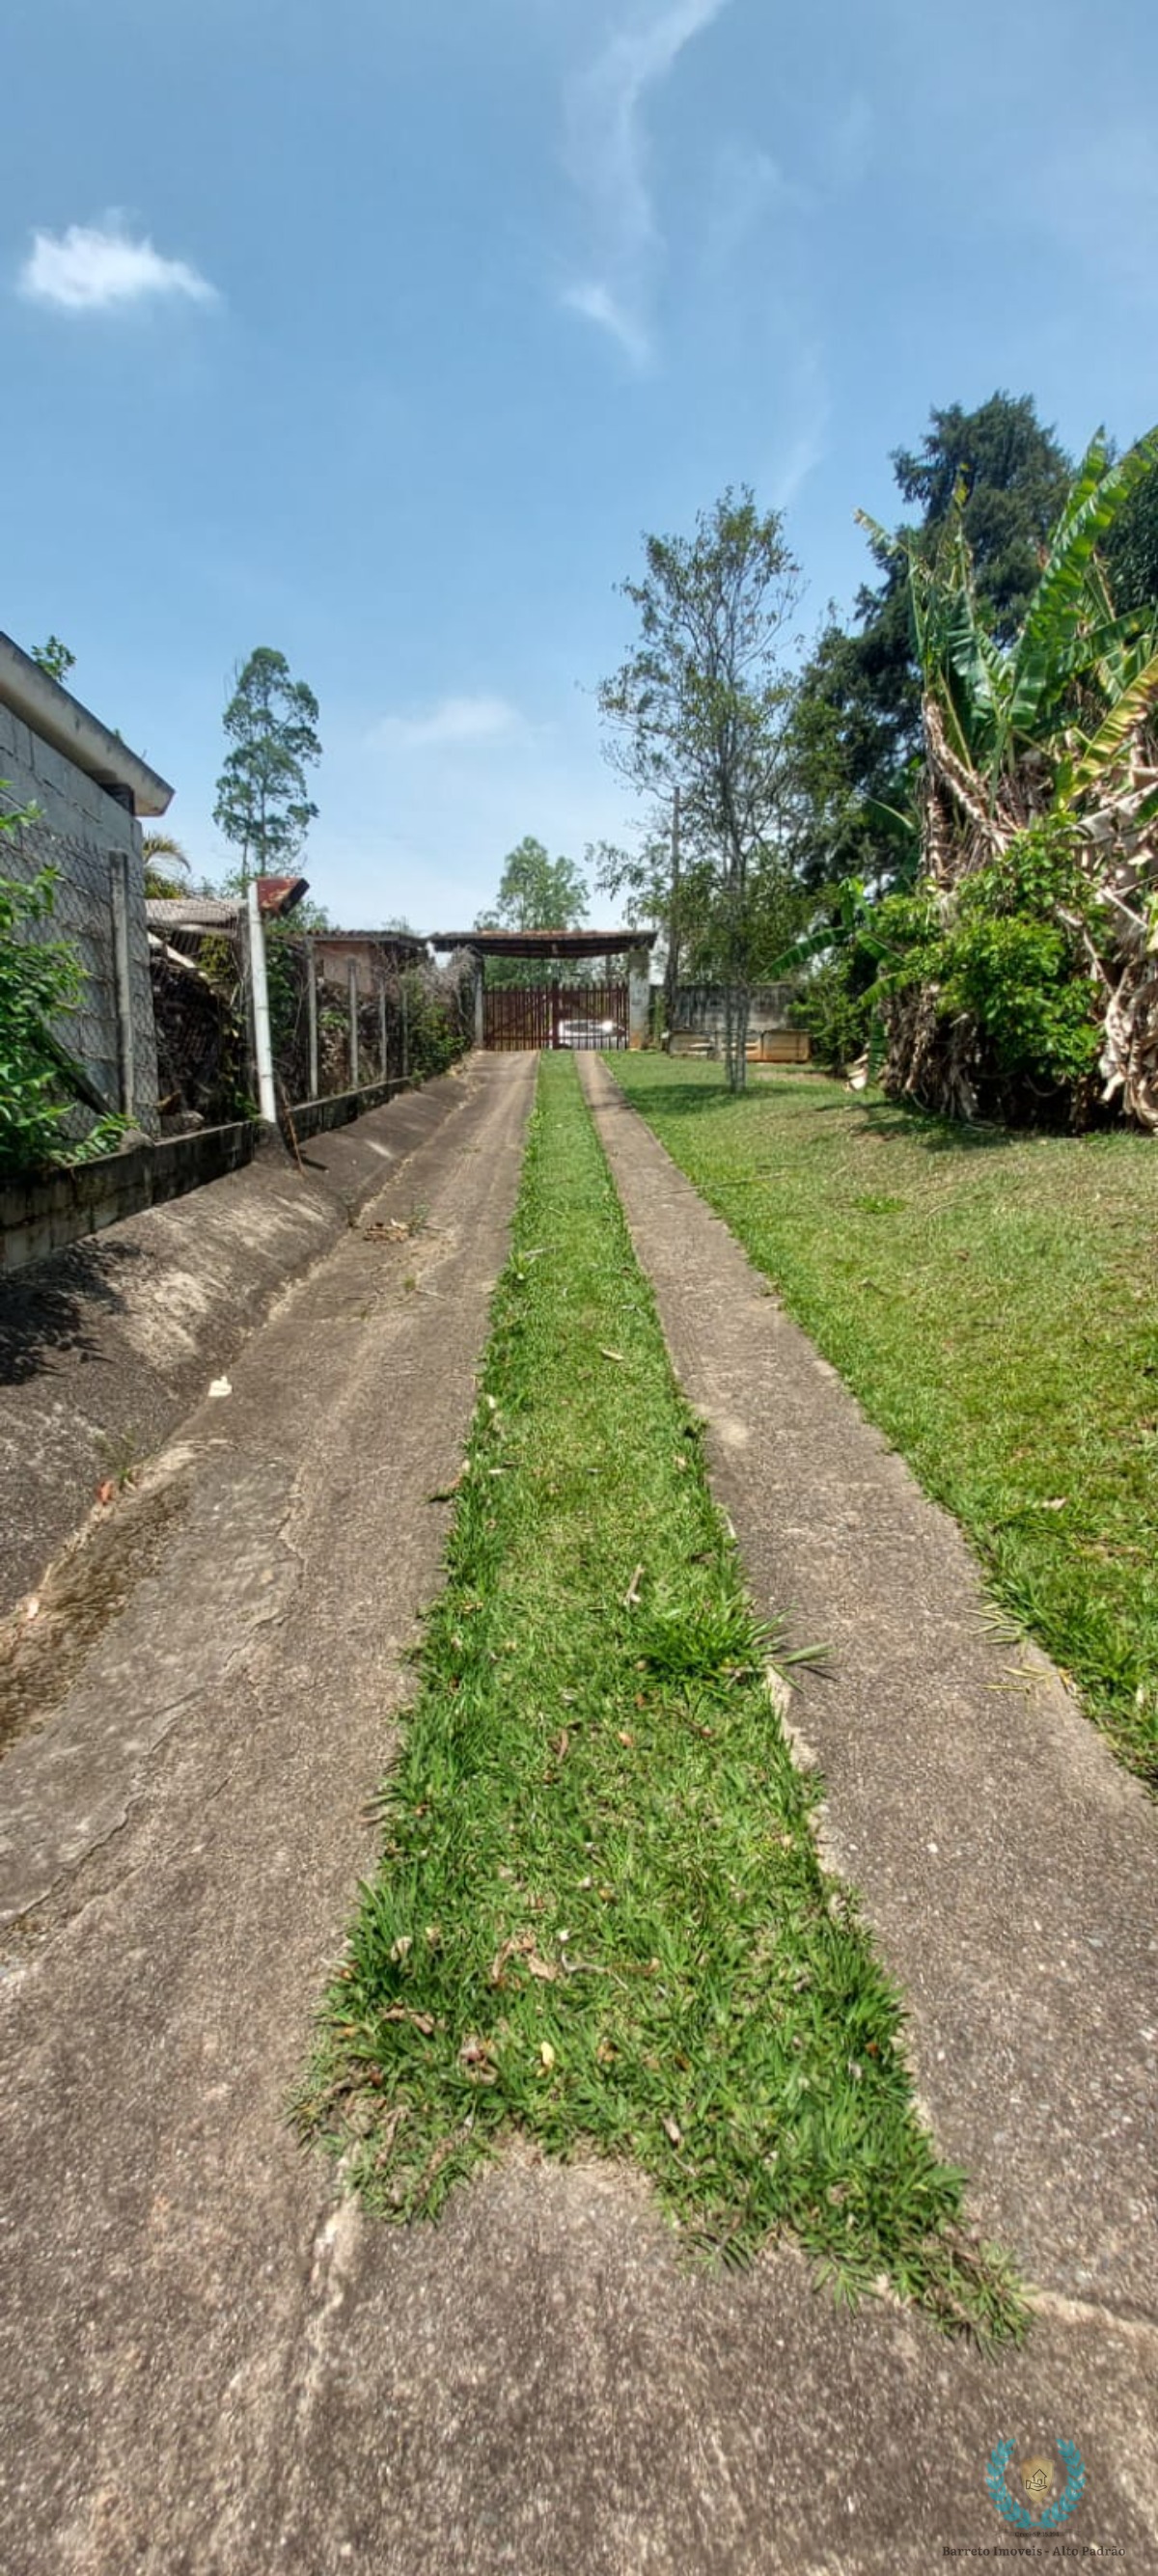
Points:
[329,1033]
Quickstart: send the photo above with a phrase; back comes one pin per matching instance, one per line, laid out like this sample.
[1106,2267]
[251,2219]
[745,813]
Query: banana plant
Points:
[1057,726]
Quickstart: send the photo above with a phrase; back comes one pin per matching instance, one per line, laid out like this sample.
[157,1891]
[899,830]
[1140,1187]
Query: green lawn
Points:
[991,1301]
[599,1915]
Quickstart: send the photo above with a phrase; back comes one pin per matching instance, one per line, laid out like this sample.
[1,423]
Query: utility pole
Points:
[262,1048]
[671,974]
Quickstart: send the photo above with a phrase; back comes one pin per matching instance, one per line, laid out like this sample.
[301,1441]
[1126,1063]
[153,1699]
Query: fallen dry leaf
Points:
[106,1491]
[547,2055]
[610,1355]
[423,2022]
[560,1744]
[521,1945]
[674,2131]
[631,1596]
[624,1737]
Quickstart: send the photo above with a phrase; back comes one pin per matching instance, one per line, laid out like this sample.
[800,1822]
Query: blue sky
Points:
[378,331]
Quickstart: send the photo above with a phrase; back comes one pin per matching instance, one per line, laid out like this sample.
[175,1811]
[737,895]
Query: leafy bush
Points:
[39,978]
[836,1009]
[437,1026]
[1005,953]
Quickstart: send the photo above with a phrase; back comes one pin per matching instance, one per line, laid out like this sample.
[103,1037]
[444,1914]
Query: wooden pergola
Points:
[561,948]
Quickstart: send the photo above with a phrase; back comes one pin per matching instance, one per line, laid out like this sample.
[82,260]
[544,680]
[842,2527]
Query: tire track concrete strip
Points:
[159,2222]
[1009,1866]
[212,2369]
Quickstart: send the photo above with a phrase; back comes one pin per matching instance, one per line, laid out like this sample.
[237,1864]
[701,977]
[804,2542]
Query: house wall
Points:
[84,833]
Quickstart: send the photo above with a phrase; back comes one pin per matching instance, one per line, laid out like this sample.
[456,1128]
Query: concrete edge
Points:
[107,1343]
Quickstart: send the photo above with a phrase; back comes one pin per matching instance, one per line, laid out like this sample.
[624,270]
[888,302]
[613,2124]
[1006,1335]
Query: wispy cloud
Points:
[92,267]
[747,186]
[453,723]
[809,412]
[606,154]
[600,305]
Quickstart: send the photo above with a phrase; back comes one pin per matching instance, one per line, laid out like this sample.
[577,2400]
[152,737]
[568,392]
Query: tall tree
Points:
[861,689]
[703,705]
[263,804]
[537,892]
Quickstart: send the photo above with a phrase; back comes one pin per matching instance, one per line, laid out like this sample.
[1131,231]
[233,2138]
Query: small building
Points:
[374,955]
[91,793]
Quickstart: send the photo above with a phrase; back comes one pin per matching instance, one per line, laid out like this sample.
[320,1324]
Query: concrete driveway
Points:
[210,2361]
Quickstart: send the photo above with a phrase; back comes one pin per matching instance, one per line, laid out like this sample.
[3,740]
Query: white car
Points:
[590,1033]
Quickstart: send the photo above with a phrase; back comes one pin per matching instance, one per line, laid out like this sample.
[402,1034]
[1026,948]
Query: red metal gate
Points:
[555,1015]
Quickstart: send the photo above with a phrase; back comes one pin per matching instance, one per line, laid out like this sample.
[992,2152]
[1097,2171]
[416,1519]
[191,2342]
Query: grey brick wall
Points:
[79,827]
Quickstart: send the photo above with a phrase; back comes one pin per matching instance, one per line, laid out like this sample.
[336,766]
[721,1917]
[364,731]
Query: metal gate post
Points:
[352,994]
[122,976]
[312,1019]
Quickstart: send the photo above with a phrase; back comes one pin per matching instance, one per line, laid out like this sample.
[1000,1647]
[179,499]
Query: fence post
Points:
[352,991]
[404,997]
[383,1072]
[262,1047]
[122,977]
[312,1019]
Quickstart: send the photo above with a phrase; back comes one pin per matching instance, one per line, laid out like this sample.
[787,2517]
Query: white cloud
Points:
[599,305]
[606,156]
[90,268]
[454,722]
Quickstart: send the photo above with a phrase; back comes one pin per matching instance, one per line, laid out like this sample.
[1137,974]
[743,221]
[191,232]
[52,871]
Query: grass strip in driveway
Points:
[990,1299]
[600,1917]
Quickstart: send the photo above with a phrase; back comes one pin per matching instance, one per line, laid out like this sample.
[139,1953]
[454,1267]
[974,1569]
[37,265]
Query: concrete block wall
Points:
[701,1011]
[42,1215]
[80,825]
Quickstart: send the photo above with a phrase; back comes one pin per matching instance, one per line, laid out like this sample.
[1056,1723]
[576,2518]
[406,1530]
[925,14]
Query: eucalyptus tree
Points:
[702,706]
[263,804]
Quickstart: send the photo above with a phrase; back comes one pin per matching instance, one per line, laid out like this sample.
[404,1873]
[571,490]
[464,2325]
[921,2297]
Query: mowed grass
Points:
[600,1918]
[991,1301]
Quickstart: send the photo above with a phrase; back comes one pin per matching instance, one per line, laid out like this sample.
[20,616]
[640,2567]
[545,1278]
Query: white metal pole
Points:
[312,1018]
[352,991]
[262,1046]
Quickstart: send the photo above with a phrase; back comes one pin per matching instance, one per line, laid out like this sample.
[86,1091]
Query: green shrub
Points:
[39,978]
[836,1009]
[1006,953]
